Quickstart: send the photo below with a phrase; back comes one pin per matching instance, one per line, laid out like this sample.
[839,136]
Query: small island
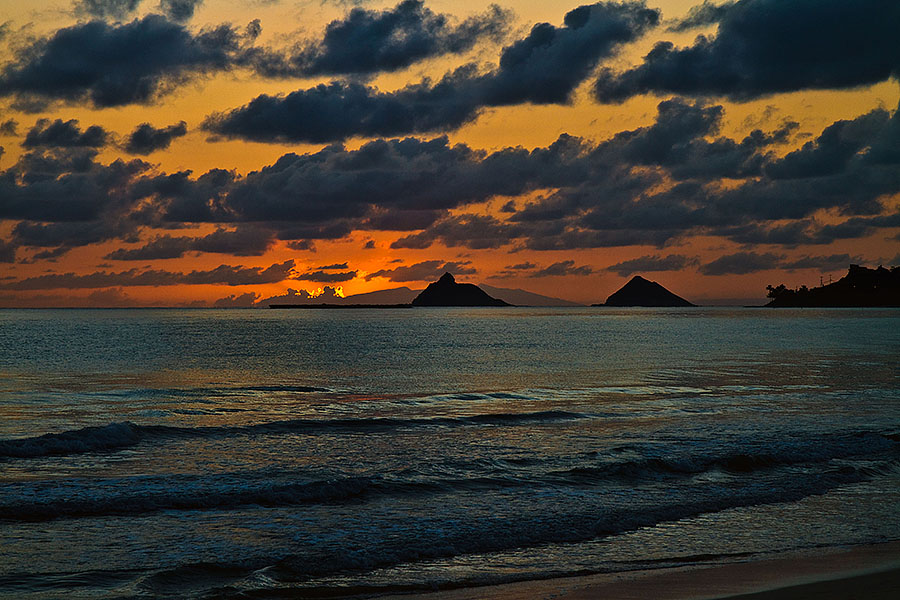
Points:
[644,293]
[446,292]
[861,287]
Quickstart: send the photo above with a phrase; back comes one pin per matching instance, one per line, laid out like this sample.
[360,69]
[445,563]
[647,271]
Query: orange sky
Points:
[707,227]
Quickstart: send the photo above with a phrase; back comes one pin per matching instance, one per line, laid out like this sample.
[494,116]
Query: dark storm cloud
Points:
[237,300]
[115,9]
[547,65]
[808,231]
[655,263]
[402,220]
[334,267]
[833,150]
[182,199]
[179,10]
[857,227]
[424,271]
[678,140]
[850,167]
[9,127]
[649,186]
[7,251]
[612,202]
[338,110]
[678,124]
[370,41]
[542,68]
[118,64]
[855,191]
[770,46]
[566,267]
[829,176]
[885,147]
[65,184]
[604,198]
[161,247]
[398,175]
[146,138]
[789,234]
[315,114]
[64,134]
[307,232]
[833,262]
[325,277]
[49,255]
[302,245]
[573,237]
[741,263]
[245,241]
[702,15]
[221,275]
[63,236]
[472,231]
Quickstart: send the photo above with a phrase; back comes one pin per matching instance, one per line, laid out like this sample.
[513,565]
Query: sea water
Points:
[224,453]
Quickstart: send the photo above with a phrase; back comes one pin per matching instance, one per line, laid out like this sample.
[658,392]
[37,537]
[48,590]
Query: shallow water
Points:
[218,453]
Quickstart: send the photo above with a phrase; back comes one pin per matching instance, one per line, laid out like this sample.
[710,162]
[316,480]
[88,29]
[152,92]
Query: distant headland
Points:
[332,305]
[644,293]
[443,292]
[861,287]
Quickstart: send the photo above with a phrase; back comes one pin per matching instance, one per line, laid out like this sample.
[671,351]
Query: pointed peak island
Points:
[446,292]
[642,292]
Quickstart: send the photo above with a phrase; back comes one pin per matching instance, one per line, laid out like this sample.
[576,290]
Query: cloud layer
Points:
[221,275]
[544,67]
[117,64]
[765,47]
[653,185]
[370,41]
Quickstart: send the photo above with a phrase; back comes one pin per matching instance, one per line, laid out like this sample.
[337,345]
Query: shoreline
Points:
[868,571]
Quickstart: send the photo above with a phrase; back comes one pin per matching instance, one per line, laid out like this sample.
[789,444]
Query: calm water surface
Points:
[204,453]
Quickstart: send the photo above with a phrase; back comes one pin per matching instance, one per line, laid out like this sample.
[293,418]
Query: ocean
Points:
[313,453]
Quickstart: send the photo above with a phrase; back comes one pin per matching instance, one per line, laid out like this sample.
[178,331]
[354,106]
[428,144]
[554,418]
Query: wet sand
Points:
[863,572]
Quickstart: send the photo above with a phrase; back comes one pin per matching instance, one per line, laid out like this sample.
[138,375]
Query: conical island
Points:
[446,292]
[642,292]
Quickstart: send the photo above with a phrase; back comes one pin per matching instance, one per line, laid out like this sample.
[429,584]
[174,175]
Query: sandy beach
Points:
[864,572]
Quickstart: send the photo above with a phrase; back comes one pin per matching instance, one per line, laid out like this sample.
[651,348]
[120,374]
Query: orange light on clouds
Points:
[367,248]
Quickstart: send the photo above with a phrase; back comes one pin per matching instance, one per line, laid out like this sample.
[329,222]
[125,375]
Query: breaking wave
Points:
[116,436]
[804,466]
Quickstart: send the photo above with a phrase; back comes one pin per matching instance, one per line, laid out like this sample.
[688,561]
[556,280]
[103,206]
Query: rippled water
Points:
[218,453]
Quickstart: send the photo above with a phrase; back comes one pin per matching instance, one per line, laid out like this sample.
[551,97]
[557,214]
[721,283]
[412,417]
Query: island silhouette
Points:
[443,292]
[447,292]
[861,287]
[646,293]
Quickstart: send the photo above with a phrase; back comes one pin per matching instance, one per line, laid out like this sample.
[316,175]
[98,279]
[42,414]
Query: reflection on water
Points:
[189,451]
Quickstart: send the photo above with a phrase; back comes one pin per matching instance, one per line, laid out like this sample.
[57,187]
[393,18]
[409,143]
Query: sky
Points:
[220,153]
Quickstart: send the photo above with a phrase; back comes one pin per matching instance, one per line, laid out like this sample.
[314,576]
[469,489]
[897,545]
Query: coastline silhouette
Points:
[861,287]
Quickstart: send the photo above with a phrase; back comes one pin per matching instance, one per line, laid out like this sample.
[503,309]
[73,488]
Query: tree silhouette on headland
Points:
[860,287]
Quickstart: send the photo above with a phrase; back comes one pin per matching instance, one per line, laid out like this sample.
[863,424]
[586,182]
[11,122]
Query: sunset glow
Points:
[195,153]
